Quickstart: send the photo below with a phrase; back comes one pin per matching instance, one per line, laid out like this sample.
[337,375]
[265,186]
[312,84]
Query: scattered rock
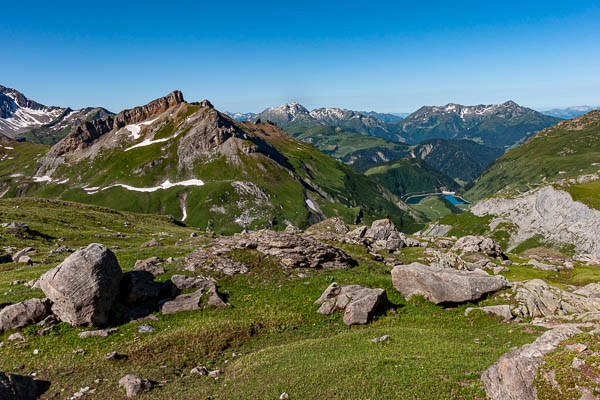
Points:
[17,387]
[24,260]
[18,282]
[542,266]
[381,339]
[134,385]
[146,328]
[152,243]
[199,371]
[284,396]
[16,337]
[114,356]
[215,373]
[150,265]
[578,347]
[84,286]
[444,285]
[97,333]
[479,244]
[358,303]
[183,282]
[501,310]
[538,299]
[577,363]
[512,376]
[22,314]
[22,253]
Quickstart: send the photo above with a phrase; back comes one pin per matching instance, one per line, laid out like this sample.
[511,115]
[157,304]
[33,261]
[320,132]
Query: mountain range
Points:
[199,165]
[496,125]
[21,117]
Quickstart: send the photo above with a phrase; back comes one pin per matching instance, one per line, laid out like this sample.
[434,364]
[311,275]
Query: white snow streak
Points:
[165,185]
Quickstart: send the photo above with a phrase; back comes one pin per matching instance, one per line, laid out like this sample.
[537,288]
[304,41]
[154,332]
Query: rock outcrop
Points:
[84,287]
[358,303]
[206,295]
[133,384]
[291,250]
[23,314]
[444,285]
[512,376]
[382,235]
[536,298]
[17,387]
[549,212]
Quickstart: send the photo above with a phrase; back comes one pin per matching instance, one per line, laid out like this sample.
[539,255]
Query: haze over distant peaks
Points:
[570,112]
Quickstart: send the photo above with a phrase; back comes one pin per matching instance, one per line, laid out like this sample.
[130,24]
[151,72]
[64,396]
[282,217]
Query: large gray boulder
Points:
[479,244]
[512,376]
[358,303]
[17,387]
[444,285]
[23,314]
[85,286]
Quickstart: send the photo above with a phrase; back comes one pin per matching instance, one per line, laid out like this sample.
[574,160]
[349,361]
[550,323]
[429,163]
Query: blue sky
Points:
[246,56]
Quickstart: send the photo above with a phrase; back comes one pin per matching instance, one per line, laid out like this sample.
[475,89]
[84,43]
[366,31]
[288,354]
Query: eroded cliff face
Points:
[548,212]
[85,134]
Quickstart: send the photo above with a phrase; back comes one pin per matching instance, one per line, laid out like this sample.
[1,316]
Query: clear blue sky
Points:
[245,56]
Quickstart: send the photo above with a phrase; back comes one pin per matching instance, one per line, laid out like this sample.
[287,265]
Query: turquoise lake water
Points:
[452,199]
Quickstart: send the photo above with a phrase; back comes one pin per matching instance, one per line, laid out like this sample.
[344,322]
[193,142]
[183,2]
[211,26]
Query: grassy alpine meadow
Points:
[281,343]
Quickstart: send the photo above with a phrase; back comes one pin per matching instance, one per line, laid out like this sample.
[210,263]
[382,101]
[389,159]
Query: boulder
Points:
[444,285]
[479,244]
[591,291]
[98,333]
[17,387]
[15,225]
[84,286]
[151,265]
[183,282]
[152,243]
[22,314]
[512,376]
[133,385]
[358,303]
[536,298]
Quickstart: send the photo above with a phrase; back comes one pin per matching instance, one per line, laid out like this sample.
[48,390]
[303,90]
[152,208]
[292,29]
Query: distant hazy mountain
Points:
[384,117]
[495,125]
[22,117]
[240,116]
[294,114]
[569,112]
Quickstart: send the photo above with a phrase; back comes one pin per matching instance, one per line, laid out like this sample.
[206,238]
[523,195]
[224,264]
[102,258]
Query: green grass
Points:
[587,193]
[285,345]
[435,207]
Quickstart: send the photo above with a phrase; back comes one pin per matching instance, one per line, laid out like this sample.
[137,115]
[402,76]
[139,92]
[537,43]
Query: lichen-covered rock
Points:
[538,299]
[512,376]
[84,287]
[444,285]
[23,314]
[479,244]
[358,303]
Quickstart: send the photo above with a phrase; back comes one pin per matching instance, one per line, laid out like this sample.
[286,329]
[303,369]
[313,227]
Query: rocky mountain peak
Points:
[85,134]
